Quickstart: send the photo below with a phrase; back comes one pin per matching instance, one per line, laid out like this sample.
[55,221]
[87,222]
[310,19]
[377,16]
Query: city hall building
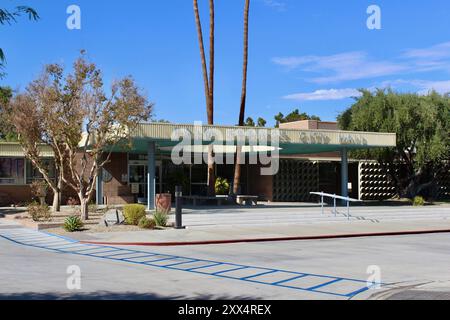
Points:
[312,156]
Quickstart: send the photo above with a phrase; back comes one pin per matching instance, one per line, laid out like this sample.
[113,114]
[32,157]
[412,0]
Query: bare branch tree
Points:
[81,123]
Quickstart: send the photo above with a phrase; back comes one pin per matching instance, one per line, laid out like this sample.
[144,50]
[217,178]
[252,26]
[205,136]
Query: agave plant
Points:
[73,224]
[161,218]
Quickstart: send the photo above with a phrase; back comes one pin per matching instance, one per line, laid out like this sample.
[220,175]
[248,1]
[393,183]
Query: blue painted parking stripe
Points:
[230,270]
[101,252]
[137,257]
[325,284]
[158,260]
[84,250]
[67,246]
[259,275]
[201,270]
[288,280]
[49,243]
[205,267]
[355,293]
[180,263]
[43,241]
[123,252]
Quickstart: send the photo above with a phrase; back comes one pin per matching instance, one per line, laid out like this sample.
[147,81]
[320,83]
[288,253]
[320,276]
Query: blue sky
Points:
[310,55]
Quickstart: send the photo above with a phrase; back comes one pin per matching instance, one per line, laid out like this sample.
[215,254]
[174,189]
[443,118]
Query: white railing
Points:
[335,198]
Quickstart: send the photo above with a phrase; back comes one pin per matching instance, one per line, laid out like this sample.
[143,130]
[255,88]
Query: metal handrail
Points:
[335,197]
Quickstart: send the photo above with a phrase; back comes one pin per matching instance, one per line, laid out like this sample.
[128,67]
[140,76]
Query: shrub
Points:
[133,213]
[146,223]
[161,218]
[73,223]
[39,212]
[222,187]
[418,201]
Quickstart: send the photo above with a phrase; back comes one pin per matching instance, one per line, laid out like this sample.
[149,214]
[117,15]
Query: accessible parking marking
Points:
[323,284]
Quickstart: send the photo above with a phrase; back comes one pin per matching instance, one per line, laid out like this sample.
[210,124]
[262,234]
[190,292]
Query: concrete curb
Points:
[256,240]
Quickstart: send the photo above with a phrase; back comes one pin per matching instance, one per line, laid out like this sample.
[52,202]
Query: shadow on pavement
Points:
[106,295]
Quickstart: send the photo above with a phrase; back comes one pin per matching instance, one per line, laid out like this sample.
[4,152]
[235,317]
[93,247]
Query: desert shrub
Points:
[146,223]
[39,212]
[222,186]
[418,201]
[73,223]
[133,213]
[161,218]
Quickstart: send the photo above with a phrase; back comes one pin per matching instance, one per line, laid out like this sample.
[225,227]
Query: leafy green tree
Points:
[261,122]
[250,122]
[293,116]
[422,125]
[10,16]
[7,132]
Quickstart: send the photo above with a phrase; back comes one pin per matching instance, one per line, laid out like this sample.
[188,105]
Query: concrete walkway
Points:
[217,235]
[284,222]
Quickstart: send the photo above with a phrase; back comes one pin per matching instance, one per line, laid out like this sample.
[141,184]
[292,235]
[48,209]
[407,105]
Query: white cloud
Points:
[277,5]
[347,66]
[358,65]
[425,86]
[323,95]
[438,51]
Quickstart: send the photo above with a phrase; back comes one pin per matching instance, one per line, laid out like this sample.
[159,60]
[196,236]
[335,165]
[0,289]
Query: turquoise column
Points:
[344,172]
[151,178]
[99,189]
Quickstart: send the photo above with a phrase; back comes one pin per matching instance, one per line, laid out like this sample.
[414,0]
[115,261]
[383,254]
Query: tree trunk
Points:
[237,169]
[57,196]
[84,209]
[56,201]
[237,172]
[208,80]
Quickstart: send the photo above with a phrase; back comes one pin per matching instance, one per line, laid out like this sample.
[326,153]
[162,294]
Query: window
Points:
[12,171]
[33,173]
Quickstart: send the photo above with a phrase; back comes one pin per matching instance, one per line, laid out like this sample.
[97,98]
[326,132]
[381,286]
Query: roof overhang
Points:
[290,141]
[284,141]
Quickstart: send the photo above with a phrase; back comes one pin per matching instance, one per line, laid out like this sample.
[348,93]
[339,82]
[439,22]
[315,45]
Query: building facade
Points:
[312,156]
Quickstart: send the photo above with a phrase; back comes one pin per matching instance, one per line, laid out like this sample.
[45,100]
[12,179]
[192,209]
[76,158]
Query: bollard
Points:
[179,208]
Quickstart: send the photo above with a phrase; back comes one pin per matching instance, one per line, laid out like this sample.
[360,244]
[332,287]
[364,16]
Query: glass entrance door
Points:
[138,175]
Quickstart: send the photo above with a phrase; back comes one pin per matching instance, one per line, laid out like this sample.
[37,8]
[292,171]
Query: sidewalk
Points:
[241,234]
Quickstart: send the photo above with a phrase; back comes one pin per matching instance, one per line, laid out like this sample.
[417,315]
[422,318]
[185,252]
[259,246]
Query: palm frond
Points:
[32,14]
[6,17]
[9,17]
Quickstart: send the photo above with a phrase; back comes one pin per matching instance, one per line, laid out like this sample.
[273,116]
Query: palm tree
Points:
[208,78]
[237,170]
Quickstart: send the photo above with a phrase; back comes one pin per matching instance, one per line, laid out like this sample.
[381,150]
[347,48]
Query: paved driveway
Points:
[331,269]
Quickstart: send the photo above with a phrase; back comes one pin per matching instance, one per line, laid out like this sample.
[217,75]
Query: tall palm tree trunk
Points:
[239,155]
[208,79]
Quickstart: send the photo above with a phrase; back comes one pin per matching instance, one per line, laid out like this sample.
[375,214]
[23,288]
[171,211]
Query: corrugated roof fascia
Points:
[164,131]
[13,149]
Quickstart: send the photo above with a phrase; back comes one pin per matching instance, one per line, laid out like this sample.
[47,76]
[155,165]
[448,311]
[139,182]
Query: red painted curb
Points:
[322,237]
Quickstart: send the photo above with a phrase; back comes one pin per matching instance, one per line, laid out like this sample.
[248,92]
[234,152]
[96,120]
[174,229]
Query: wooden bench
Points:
[247,200]
[198,199]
